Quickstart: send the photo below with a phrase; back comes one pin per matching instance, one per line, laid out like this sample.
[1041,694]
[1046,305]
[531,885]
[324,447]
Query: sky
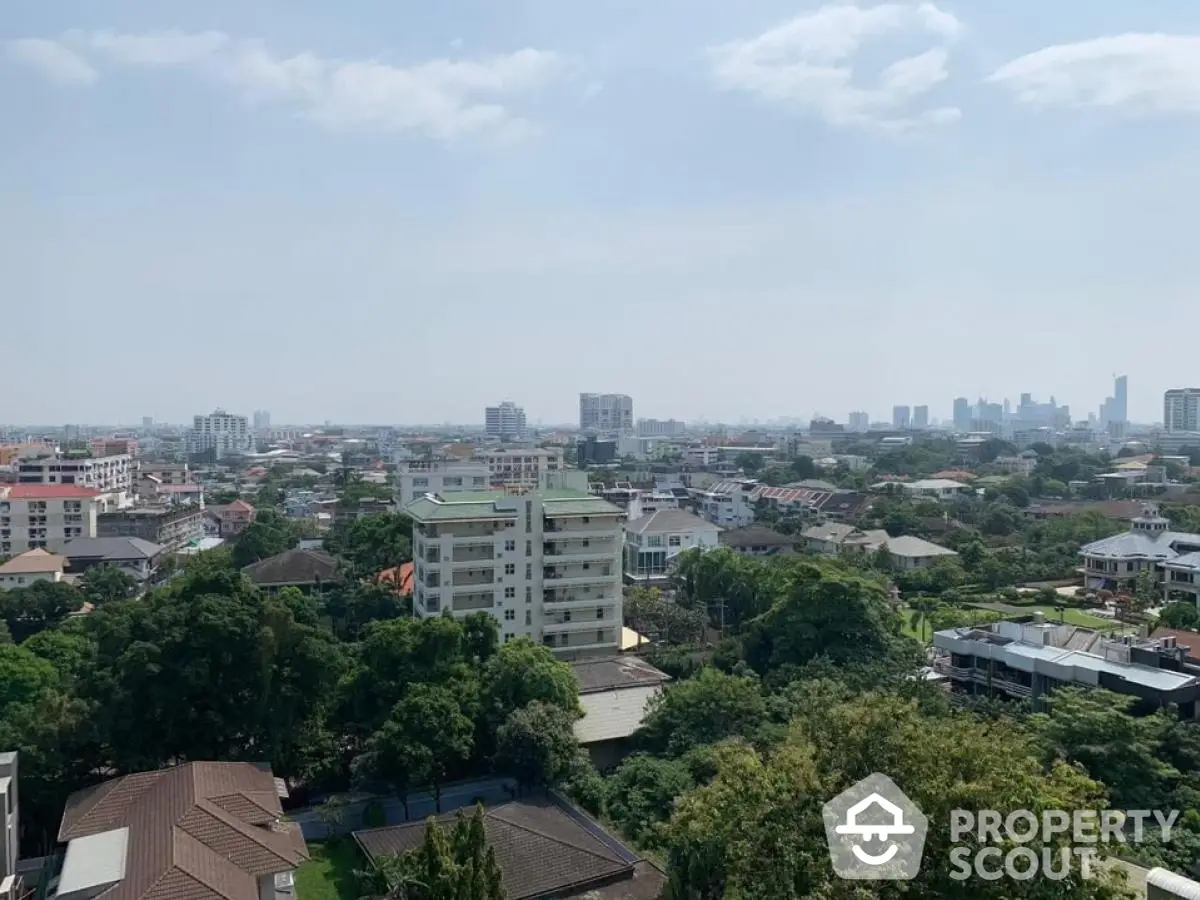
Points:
[382,211]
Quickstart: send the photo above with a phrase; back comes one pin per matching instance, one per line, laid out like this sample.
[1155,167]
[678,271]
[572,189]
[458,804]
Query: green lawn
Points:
[1073,617]
[329,872]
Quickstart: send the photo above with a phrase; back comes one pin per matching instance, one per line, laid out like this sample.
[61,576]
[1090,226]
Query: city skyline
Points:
[481,191]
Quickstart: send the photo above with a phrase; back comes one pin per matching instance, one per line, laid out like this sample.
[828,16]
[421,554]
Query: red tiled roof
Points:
[1189,640]
[50,492]
[401,576]
[239,506]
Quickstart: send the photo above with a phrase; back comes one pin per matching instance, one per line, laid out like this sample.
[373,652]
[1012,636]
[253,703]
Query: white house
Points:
[30,567]
[654,540]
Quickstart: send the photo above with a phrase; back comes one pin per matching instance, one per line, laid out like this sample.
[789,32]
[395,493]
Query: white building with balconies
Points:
[1173,557]
[546,565]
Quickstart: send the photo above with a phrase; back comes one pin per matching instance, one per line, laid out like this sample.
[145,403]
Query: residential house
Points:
[1027,659]
[931,488]
[30,567]
[1171,557]
[652,542]
[544,847]
[46,516]
[198,831]
[1024,464]
[234,518]
[758,540]
[309,570]
[614,693]
[909,553]
[138,558]
[834,538]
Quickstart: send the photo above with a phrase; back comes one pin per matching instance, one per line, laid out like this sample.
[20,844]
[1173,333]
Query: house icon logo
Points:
[875,832]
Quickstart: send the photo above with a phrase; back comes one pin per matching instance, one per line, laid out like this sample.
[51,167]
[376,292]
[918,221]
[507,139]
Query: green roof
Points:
[483,505]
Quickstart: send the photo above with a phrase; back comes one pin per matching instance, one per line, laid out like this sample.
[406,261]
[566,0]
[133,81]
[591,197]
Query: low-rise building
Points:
[1027,659]
[309,570]
[235,518]
[137,558]
[198,831]
[932,488]
[546,565]
[105,474]
[652,542]
[30,567]
[909,553]
[170,527]
[1172,557]
[47,516]
[758,540]
[614,693]
[835,538]
[1023,464]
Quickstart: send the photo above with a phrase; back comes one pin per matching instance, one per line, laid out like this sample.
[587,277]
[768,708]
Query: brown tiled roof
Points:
[293,567]
[33,562]
[542,850]
[1188,640]
[200,831]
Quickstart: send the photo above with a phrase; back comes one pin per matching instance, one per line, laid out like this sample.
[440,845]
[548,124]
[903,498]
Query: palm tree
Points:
[923,609]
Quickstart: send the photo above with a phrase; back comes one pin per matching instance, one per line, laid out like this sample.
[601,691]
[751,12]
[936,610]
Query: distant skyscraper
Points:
[901,416]
[1120,407]
[1181,409]
[859,421]
[962,414]
[605,412]
[506,421]
[262,420]
[147,421]
[920,417]
[220,432]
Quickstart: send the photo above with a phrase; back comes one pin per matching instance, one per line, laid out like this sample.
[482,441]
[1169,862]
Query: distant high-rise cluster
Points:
[920,417]
[605,412]
[901,417]
[506,421]
[262,420]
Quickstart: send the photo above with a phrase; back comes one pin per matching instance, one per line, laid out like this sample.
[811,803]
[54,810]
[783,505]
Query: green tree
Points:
[922,612]
[641,795]
[425,739]
[537,744]
[523,672]
[103,584]
[646,612]
[268,535]
[1181,614]
[702,710]
[749,462]
[458,866]
[44,604]
[373,543]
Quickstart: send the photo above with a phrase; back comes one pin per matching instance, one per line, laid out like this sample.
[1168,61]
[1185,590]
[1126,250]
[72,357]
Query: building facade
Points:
[172,528]
[605,412]
[223,433]
[506,421]
[660,427]
[901,417]
[920,418]
[517,468]
[1181,409]
[859,421]
[46,516]
[106,474]
[546,565]
[1172,557]
[652,542]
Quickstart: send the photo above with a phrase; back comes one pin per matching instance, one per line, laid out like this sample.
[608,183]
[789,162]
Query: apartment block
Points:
[516,468]
[660,427]
[605,412]
[46,516]
[221,432]
[546,565]
[506,421]
[1181,409]
[106,474]
[170,527]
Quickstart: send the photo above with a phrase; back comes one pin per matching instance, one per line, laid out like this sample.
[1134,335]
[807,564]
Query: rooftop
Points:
[915,547]
[200,831]
[544,848]
[666,521]
[47,492]
[504,505]
[113,548]
[295,567]
[610,672]
[757,536]
[33,562]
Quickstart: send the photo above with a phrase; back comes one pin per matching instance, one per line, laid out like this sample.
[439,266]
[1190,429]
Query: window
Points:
[654,540]
[510,546]
[599,613]
[529,548]
[528,594]
[599,637]
[586,519]
[510,593]
[528,618]
[528,571]
[507,638]
[586,542]
[510,568]
[587,565]
[420,482]
[510,615]
[674,540]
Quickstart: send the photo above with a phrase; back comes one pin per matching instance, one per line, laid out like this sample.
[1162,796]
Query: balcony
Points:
[595,530]
[473,577]
[474,554]
[580,554]
[579,625]
[470,602]
[599,575]
[552,602]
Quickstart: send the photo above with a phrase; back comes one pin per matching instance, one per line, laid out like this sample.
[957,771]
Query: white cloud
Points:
[1154,72]
[807,63]
[52,60]
[443,98]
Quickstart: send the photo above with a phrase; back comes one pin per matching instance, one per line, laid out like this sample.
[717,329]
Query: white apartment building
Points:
[519,468]
[1181,409]
[222,432]
[660,428]
[506,421]
[106,474]
[605,412]
[47,516]
[546,565]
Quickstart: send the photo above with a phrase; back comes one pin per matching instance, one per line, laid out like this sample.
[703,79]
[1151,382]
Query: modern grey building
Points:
[605,413]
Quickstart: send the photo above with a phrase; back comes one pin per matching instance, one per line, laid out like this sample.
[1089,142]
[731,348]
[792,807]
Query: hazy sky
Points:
[390,211]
